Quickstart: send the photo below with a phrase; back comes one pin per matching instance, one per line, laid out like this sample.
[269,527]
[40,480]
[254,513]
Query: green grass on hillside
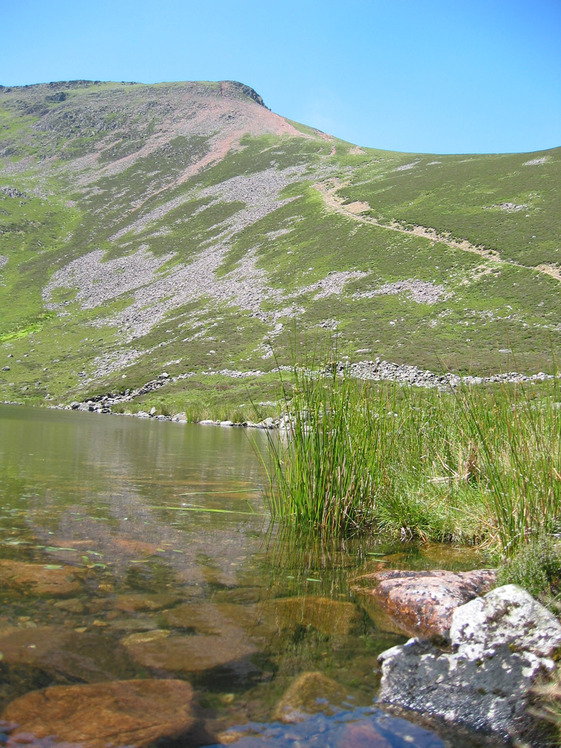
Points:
[75,155]
[502,202]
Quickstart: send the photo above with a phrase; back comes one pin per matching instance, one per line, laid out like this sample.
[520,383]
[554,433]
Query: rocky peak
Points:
[247,91]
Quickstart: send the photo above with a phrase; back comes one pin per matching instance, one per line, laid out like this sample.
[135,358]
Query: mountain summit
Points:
[185,227]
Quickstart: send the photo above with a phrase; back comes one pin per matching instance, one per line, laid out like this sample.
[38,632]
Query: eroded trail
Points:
[355,211]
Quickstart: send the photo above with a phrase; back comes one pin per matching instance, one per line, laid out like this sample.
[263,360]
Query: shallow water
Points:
[180,576]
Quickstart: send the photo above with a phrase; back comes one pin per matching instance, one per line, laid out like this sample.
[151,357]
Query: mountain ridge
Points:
[186,226]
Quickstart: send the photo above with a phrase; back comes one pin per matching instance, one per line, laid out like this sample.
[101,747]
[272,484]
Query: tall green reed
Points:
[479,465]
[320,467]
[516,433]
[355,455]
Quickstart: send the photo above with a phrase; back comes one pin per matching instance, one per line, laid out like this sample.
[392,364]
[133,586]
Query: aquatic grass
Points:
[480,465]
[343,452]
[517,450]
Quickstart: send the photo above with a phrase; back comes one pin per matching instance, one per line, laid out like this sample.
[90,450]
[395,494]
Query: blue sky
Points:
[443,76]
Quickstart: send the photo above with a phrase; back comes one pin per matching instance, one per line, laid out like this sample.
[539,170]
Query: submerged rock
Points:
[330,617]
[365,735]
[423,601]
[501,643]
[65,654]
[136,602]
[39,579]
[74,606]
[309,693]
[252,624]
[139,713]
[190,654]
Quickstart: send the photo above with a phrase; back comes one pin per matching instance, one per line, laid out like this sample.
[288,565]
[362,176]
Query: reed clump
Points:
[477,465]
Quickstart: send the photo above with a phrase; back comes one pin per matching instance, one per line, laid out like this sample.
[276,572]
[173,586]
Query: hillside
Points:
[185,228]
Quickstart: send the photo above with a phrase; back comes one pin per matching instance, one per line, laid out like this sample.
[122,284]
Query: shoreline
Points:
[377,370]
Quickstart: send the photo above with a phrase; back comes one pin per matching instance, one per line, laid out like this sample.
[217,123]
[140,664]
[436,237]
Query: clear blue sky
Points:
[445,76]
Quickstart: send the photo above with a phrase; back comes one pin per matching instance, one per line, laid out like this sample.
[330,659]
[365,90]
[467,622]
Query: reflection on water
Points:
[133,549]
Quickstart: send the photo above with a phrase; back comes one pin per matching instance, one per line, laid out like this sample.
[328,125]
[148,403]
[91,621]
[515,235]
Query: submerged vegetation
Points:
[477,465]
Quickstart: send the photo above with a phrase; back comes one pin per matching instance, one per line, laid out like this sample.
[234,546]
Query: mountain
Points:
[186,228]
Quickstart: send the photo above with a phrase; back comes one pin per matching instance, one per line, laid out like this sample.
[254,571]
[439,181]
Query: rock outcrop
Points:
[501,643]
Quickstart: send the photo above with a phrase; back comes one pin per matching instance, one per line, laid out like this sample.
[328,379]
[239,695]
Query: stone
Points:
[161,650]
[65,654]
[136,602]
[73,606]
[422,602]
[39,579]
[211,618]
[140,713]
[483,694]
[501,644]
[309,693]
[242,596]
[330,617]
[135,547]
[508,616]
[380,618]
[131,624]
[365,735]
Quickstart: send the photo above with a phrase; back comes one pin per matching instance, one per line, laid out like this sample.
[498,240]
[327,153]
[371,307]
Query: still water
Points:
[156,560]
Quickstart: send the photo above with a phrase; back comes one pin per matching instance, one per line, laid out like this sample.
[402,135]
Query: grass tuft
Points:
[476,466]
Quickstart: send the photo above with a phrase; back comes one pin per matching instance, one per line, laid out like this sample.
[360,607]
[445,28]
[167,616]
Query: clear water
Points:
[181,576]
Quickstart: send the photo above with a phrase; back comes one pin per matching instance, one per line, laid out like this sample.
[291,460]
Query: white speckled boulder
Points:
[500,644]
[506,615]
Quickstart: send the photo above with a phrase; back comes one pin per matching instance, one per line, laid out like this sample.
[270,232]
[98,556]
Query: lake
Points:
[142,549]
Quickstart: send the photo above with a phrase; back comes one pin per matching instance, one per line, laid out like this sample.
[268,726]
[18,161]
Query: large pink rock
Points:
[422,602]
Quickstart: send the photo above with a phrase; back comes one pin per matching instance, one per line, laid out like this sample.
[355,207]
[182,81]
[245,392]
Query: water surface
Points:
[181,576]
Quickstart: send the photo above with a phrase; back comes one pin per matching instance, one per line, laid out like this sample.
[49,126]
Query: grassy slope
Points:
[59,146]
[504,202]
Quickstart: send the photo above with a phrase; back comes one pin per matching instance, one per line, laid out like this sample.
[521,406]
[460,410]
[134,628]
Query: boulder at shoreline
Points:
[422,602]
[501,644]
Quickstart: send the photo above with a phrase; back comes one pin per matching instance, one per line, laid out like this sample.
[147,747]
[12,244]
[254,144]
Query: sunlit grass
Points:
[474,466]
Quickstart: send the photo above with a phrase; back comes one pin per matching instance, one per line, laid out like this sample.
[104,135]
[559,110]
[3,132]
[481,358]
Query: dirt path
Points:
[329,191]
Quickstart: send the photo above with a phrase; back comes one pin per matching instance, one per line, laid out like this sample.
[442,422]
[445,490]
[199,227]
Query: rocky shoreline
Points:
[474,659]
[473,666]
[377,370]
[497,649]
